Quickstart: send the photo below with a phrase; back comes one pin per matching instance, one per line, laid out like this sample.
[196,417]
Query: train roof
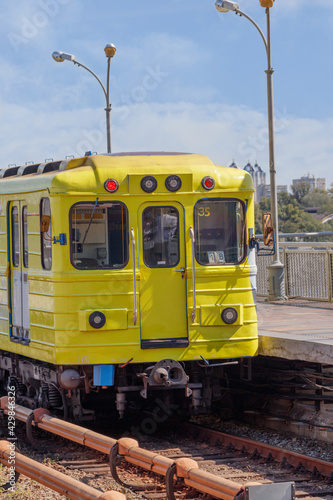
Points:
[89,173]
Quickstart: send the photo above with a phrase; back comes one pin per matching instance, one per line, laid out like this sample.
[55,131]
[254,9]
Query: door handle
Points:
[181,270]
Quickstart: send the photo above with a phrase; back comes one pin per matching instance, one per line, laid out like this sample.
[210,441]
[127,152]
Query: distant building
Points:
[280,189]
[314,183]
[248,167]
[259,180]
[262,190]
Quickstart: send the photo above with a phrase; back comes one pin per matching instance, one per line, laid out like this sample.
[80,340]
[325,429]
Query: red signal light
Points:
[208,183]
[111,185]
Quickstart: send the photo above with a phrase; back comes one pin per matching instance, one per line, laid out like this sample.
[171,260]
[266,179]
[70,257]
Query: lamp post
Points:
[110,51]
[276,285]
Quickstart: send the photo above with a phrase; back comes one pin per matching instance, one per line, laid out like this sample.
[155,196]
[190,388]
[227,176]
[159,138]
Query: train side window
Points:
[25,236]
[99,235]
[160,236]
[15,237]
[219,230]
[46,233]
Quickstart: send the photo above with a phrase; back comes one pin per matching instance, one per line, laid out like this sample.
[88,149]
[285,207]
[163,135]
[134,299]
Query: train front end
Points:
[139,282]
[161,249]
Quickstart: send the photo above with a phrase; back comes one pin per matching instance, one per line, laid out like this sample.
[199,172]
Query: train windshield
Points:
[99,235]
[219,230]
[161,236]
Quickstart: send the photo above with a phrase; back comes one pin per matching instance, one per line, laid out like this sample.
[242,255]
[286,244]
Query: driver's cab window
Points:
[99,235]
[219,230]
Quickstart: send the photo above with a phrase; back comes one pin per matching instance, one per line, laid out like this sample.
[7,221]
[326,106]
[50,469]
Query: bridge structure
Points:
[293,374]
[301,327]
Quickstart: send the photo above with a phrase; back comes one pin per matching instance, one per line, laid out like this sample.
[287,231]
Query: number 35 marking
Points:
[204,212]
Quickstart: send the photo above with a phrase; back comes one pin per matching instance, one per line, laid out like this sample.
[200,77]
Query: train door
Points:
[162,261]
[18,259]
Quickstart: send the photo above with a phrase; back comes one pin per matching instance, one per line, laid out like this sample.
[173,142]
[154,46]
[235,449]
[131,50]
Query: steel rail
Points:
[265,450]
[53,479]
[187,470]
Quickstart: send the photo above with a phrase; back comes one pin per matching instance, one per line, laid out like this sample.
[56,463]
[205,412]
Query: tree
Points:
[292,217]
[316,198]
[258,219]
[291,214]
[265,205]
[285,198]
[300,190]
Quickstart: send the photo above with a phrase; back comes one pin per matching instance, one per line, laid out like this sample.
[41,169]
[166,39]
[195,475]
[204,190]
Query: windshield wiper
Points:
[91,218]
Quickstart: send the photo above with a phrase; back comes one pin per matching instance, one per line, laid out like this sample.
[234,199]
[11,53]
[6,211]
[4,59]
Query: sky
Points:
[184,78]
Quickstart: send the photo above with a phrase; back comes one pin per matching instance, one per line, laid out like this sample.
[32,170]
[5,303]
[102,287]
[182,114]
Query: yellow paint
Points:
[163,290]
[61,299]
[116,319]
[211,315]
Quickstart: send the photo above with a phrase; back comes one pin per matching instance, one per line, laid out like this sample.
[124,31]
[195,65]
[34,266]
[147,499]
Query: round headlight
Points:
[111,185]
[208,183]
[173,183]
[97,319]
[229,315]
[148,184]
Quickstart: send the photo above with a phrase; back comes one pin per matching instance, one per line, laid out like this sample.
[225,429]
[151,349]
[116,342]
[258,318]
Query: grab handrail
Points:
[194,310]
[135,313]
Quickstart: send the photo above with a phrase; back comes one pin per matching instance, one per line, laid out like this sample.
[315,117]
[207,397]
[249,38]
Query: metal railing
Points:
[308,270]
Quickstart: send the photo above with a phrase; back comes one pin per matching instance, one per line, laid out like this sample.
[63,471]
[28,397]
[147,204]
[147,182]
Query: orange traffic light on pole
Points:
[266,3]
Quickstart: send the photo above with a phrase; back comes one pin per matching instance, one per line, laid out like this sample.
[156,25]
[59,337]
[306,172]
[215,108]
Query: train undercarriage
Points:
[72,390]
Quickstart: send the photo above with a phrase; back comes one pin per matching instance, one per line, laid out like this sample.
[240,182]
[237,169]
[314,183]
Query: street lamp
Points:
[275,270]
[226,6]
[110,51]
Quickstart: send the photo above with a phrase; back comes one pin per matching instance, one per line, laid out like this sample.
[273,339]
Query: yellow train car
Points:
[123,275]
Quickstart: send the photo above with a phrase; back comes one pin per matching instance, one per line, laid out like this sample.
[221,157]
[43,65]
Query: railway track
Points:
[313,477]
[218,464]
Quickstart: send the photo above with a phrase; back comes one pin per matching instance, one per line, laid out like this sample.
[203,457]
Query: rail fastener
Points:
[130,451]
[55,480]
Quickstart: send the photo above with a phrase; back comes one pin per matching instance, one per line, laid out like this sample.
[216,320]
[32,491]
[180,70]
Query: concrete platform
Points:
[298,330]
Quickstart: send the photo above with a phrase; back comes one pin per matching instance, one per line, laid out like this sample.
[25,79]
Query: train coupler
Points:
[167,373]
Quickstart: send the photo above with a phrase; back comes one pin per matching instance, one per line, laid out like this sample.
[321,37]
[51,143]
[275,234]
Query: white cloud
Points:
[221,132]
[172,55]
[34,24]
[226,132]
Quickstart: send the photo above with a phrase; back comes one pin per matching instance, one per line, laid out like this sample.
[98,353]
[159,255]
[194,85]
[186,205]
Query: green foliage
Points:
[258,219]
[301,190]
[265,205]
[317,198]
[292,217]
